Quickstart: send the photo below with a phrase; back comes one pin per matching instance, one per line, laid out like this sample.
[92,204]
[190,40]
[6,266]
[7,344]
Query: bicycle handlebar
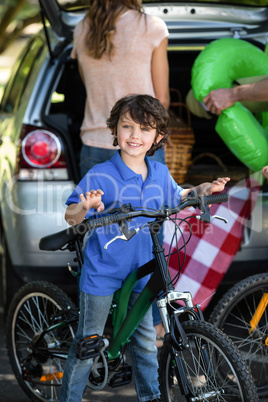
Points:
[58,240]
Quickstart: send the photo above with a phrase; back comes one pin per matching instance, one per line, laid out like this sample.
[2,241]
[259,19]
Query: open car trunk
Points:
[192,24]
[210,157]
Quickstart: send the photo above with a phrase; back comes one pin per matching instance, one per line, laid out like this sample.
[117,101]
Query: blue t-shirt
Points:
[104,271]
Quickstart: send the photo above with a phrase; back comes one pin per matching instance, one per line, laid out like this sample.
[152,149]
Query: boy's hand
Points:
[265,172]
[92,199]
[216,186]
[207,188]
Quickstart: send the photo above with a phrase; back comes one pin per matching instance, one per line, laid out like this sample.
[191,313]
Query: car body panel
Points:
[34,210]
[254,246]
[22,218]
[182,18]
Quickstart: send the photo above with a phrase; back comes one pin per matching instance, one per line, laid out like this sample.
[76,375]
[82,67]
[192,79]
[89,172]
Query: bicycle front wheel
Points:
[210,369]
[37,356]
[242,314]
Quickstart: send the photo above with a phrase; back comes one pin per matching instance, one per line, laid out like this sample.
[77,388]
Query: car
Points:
[40,116]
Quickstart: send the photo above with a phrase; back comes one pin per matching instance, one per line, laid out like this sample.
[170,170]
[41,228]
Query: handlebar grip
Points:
[58,240]
[106,220]
[216,198]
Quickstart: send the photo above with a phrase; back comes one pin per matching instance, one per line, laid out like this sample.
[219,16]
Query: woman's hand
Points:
[219,99]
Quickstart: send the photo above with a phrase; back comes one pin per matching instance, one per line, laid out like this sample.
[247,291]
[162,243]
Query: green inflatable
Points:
[219,65]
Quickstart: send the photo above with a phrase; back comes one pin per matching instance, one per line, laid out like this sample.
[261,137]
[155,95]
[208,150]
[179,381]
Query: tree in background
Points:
[15,16]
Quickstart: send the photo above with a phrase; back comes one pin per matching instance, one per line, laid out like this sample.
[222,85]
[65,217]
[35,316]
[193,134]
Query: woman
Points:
[120,51]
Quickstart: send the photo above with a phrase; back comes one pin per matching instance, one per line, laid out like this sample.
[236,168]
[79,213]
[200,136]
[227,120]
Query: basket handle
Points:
[177,92]
[212,156]
[180,105]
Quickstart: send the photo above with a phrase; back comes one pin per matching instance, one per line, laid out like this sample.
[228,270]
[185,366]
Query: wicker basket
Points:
[212,167]
[181,140]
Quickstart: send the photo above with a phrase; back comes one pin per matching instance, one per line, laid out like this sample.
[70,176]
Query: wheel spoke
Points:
[211,367]
[234,315]
[33,353]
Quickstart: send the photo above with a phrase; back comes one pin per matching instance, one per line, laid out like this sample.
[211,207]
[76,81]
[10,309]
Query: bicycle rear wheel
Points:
[234,313]
[37,367]
[211,369]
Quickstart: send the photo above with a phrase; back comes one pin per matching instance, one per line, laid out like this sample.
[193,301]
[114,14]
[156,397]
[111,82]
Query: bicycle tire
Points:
[235,310]
[31,311]
[220,376]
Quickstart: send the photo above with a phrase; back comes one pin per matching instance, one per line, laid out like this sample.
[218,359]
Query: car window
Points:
[20,76]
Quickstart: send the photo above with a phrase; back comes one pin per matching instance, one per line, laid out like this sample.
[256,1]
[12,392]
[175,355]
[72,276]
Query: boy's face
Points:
[133,138]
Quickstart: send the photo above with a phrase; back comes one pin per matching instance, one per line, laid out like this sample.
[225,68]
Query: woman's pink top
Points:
[127,72]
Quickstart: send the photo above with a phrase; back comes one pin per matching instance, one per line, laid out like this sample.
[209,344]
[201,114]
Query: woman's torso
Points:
[128,71]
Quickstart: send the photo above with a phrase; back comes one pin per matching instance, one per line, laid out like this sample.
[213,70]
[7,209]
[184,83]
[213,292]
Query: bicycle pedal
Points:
[30,371]
[91,346]
[121,377]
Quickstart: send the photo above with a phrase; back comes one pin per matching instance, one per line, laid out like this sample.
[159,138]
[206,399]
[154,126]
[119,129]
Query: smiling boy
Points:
[139,126]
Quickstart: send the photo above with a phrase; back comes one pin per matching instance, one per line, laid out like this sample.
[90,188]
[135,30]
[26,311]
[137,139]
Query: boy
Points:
[139,126]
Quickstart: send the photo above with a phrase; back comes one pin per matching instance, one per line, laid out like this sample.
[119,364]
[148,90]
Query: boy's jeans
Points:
[93,315]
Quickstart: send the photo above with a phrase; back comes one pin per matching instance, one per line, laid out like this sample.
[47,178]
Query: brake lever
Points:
[221,218]
[205,216]
[201,218]
[122,237]
[126,234]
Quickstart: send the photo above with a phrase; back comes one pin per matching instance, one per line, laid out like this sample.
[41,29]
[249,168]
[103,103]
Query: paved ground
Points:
[9,389]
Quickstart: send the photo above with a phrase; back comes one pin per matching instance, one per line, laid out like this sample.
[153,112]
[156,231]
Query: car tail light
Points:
[42,155]
[41,149]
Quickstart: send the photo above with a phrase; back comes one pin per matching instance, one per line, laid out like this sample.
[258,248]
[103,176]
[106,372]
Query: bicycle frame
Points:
[258,314]
[125,322]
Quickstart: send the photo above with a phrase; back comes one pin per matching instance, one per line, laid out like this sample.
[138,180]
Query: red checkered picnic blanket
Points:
[212,246]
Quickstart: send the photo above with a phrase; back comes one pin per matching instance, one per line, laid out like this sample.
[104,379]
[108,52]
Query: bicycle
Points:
[197,363]
[244,308]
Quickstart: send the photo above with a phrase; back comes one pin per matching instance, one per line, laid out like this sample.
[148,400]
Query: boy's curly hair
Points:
[144,110]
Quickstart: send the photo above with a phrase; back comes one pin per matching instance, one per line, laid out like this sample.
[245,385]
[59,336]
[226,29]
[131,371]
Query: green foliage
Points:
[15,16]
[29,9]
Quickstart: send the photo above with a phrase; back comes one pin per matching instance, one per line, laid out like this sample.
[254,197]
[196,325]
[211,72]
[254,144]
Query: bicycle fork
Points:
[174,296]
[181,342]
